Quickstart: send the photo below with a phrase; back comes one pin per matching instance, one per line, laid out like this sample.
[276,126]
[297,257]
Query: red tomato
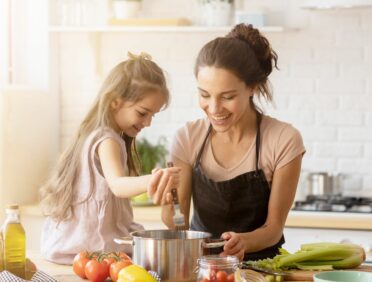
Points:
[212,274]
[109,260]
[123,256]
[116,267]
[205,280]
[221,276]
[96,271]
[78,265]
[230,278]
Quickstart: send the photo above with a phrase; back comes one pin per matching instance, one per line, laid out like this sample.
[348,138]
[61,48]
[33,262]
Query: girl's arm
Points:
[184,195]
[283,190]
[109,152]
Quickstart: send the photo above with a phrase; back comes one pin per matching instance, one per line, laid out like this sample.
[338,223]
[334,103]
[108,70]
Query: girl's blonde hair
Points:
[130,80]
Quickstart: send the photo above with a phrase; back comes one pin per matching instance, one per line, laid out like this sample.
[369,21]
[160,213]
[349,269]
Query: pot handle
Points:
[213,243]
[124,240]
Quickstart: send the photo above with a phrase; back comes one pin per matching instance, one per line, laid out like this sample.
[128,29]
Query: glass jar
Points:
[216,12]
[216,268]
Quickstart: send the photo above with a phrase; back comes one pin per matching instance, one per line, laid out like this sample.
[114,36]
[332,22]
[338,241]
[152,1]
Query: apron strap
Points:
[258,141]
[203,145]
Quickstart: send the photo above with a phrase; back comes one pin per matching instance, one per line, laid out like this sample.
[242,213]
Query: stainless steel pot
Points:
[319,183]
[172,254]
[324,183]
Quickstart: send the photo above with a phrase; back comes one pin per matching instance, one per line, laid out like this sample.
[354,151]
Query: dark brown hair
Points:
[246,53]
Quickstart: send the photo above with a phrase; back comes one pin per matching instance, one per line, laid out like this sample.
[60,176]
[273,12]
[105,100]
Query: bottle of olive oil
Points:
[14,238]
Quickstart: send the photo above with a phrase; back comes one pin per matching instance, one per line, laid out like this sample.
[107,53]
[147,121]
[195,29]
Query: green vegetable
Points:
[316,256]
[279,278]
[270,278]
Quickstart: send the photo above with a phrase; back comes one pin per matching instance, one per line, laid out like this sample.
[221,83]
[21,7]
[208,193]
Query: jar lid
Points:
[219,261]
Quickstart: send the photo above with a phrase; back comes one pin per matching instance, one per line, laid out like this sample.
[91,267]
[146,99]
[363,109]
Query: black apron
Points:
[239,204]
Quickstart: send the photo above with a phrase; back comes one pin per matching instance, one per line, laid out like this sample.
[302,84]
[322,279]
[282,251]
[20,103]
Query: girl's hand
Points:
[234,245]
[161,182]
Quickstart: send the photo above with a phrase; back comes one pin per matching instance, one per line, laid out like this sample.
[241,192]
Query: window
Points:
[24,42]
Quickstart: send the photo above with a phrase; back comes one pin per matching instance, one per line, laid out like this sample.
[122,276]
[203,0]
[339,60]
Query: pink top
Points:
[96,222]
[280,144]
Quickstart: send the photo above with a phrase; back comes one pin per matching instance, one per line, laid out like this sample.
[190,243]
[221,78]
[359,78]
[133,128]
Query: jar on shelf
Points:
[216,268]
[216,12]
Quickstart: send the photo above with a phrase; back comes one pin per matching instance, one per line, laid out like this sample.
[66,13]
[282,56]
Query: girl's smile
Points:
[131,117]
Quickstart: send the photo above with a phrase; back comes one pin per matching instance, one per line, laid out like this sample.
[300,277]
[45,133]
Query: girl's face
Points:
[223,97]
[132,117]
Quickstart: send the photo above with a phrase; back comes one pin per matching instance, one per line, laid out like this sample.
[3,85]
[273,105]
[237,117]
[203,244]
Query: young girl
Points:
[87,198]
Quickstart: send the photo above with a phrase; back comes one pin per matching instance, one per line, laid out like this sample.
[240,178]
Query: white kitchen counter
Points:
[150,216]
[333,220]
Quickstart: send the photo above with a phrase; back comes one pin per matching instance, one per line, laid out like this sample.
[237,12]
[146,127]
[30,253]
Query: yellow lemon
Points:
[135,273]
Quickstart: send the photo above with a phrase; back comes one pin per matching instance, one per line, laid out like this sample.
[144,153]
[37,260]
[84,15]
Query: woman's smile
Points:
[220,119]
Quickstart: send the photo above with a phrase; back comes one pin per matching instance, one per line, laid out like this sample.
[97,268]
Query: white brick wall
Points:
[324,86]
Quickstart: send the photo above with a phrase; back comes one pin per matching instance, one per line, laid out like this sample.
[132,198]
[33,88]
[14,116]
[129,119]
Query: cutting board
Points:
[306,275]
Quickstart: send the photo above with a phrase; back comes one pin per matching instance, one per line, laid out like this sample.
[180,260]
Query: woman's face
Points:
[132,117]
[223,97]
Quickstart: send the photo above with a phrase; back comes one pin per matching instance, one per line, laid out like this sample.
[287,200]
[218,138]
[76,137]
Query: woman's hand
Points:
[161,183]
[234,245]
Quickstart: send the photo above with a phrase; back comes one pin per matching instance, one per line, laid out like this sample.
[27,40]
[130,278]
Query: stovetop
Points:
[334,203]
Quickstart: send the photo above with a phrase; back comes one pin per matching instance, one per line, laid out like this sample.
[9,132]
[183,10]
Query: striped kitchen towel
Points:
[39,276]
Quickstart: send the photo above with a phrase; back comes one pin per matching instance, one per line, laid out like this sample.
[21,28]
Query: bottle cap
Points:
[13,207]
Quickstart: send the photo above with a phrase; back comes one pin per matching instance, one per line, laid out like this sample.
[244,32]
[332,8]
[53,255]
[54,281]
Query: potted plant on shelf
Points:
[126,9]
[151,156]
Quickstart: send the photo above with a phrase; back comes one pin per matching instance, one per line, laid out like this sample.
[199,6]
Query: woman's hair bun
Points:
[258,43]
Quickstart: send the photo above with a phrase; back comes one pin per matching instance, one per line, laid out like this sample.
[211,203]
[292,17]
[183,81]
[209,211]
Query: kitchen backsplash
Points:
[323,87]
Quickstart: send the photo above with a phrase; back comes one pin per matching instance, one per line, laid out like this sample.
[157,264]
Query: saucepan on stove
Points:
[324,183]
[319,183]
[173,254]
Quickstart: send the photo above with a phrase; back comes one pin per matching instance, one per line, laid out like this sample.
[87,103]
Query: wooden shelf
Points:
[185,29]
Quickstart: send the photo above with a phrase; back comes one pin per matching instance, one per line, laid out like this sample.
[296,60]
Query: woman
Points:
[240,167]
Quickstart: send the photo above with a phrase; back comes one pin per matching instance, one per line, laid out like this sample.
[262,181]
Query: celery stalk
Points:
[316,256]
[313,255]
